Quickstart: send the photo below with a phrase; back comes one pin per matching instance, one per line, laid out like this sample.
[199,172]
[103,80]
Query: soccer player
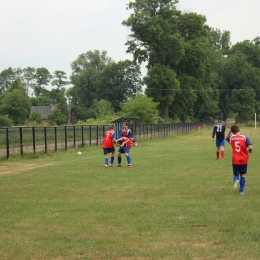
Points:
[125,145]
[108,145]
[241,145]
[219,131]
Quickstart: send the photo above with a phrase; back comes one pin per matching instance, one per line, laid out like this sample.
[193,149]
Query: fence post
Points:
[74,133]
[45,139]
[7,144]
[55,139]
[33,133]
[66,147]
[90,135]
[21,140]
[97,136]
[82,135]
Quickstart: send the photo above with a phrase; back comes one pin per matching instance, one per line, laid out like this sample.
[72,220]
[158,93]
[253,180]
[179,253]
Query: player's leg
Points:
[222,149]
[217,149]
[106,152]
[128,158]
[112,158]
[243,171]
[235,175]
[119,156]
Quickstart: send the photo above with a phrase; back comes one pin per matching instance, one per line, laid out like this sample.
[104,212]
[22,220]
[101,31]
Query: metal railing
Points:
[21,140]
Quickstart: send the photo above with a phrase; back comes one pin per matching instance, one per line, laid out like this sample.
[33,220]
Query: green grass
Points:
[177,202]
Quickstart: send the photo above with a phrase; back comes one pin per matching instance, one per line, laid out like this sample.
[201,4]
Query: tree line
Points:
[194,73]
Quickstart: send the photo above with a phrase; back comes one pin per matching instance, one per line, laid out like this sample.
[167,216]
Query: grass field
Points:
[177,202]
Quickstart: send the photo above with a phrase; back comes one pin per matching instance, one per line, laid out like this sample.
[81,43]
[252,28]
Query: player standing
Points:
[241,145]
[126,145]
[219,131]
[108,145]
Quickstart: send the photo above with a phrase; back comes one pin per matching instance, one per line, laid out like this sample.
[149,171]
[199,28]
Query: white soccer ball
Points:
[79,152]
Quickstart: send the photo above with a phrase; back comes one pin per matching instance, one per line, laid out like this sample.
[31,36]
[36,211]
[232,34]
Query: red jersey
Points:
[239,144]
[108,139]
[128,134]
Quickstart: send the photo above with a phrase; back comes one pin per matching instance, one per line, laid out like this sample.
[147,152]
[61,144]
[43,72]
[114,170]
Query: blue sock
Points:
[106,161]
[242,184]
[236,178]
[112,160]
[128,160]
[119,159]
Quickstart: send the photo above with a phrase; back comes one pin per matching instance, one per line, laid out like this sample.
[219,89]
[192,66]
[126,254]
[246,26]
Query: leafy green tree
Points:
[242,80]
[62,106]
[86,70]
[43,78]
[15,103]
[5,121]
[163,85]
[243,104]
[57,116]
[91,59]
[59,79]
[197,72]
[29,78]
[81,114]
[36,117]
[96,76]
[119,82]
[141,106]
[219,40]
[154,34]
[7,76]
[156,39]
[102,109]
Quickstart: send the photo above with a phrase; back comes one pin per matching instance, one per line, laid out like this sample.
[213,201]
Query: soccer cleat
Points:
[106,165]
[111,164]
[119,165]
[235,185]
[129,166]
[216,158]
[241,193]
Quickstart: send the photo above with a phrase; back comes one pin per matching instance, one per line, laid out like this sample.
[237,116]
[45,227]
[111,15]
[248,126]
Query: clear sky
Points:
[52,33]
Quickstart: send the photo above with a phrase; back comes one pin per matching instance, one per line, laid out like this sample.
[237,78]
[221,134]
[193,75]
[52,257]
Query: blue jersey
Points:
[219,131]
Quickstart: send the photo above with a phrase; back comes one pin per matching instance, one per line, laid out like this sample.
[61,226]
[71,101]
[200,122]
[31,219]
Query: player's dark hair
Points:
[112,126]
[126,123]
[234,129]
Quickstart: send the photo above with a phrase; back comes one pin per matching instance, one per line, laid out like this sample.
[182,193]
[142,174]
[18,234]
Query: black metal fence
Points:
[20,140]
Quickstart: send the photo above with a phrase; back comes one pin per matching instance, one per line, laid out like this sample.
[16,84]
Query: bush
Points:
[57,116]
[5,121]
[36,116]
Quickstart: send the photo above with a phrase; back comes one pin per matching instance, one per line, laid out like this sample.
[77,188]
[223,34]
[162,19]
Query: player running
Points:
[241,145]
[219,131]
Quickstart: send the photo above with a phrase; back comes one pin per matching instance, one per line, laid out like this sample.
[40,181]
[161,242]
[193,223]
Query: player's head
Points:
[125,125]
[234,129]
[219,122]
[112,126]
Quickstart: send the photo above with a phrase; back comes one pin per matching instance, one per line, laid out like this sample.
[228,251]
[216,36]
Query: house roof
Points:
[45,110]
[124,118]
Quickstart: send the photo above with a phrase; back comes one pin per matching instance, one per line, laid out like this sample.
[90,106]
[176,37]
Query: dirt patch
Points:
[11,168]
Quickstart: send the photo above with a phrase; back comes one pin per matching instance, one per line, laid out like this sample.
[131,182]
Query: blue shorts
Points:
[220,143]
[239,169]
[124,149]
[108,150]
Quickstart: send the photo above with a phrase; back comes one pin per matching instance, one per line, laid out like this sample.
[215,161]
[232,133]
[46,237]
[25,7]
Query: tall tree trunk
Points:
[166,111]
